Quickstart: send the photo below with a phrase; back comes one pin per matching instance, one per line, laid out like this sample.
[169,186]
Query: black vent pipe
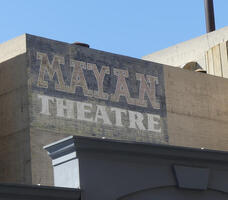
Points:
[209,15]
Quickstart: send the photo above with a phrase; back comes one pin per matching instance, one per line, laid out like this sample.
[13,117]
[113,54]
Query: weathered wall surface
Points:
[197,109]
[73,90]
[14,122]
[80,91]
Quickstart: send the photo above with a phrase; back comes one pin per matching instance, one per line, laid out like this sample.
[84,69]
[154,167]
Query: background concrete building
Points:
[207,52]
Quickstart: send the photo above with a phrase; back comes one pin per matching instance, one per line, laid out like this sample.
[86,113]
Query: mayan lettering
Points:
[97,94]
[50,69]
[147,87]
[78,78]
[121,87]
[100,78]
[76,82]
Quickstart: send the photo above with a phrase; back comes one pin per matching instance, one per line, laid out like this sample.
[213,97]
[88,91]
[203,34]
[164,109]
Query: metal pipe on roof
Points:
[209,15]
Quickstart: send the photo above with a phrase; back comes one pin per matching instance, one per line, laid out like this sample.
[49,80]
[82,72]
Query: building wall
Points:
[55,111]
[193,107]
[171,106]
[14,122]
[110,169]
[209,51]
[197,109]
[12,48]
[216,60]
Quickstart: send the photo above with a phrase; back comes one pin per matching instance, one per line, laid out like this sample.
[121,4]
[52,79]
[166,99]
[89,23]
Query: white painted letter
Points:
[154,123]
[66,106]
[136,118]
[118,118]
[82,110]
[102,114]
[45,104]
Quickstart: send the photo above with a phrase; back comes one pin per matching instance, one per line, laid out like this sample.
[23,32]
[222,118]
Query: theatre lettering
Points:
[97,113]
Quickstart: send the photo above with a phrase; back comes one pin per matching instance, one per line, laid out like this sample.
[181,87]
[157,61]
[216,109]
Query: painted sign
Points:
[93,93]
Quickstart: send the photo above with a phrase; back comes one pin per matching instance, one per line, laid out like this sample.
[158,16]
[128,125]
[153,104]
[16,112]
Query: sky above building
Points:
[129,27]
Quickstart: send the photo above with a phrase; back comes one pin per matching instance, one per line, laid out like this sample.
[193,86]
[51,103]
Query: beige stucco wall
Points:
[197,109]
[14,122]
[12,48]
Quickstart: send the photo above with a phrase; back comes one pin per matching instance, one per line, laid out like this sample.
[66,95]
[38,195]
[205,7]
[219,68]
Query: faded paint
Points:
[87,94]
[147,85]
[102,114]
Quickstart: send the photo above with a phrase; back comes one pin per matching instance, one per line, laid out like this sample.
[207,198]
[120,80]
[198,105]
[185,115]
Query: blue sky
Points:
[128,27]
